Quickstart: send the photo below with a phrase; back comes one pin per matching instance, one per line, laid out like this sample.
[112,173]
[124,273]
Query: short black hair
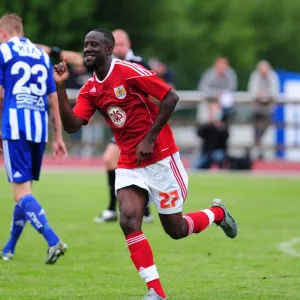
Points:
[108,35]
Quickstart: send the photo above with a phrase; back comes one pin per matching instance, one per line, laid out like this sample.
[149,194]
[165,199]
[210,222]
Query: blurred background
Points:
[233,63]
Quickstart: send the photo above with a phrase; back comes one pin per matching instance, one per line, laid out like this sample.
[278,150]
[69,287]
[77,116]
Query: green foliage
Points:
[188,34]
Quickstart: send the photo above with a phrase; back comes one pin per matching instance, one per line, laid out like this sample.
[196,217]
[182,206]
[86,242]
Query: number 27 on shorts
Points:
[168,200]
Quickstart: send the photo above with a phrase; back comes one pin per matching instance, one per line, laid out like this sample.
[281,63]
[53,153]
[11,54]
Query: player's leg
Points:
[56,245]
[178,226]
[110,158]
[23,163]
[132,197]
[18,223]
[170,204]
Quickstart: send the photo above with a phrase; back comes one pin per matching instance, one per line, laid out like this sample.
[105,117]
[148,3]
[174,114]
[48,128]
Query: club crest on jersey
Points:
[117,115]
[120,92]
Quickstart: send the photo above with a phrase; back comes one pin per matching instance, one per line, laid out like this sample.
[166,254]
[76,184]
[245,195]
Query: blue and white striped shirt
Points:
[26,75]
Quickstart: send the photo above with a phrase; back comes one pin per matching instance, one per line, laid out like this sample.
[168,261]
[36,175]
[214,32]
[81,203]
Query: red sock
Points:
[200,220]
[142,257]
[219,213]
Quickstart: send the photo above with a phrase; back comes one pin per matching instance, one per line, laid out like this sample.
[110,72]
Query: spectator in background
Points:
[122,49]
[218,83]
[264,88]
[162,71]
[214,137]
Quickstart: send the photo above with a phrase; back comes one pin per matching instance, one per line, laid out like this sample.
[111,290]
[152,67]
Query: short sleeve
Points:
[146,81]
[51,87]
[84,107]
[1,70]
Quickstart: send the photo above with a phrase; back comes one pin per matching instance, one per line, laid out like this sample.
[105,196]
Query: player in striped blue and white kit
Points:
[27,92]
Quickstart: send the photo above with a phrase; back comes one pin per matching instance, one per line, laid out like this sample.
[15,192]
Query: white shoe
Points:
[148,219]
[6,256]
[55,252]
[106,216]
[153,296]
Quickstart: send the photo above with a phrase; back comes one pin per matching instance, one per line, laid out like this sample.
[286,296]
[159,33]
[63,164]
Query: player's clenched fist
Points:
[61,72]
[144,149]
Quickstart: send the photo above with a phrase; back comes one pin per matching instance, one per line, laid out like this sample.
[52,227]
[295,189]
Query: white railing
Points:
[198,97]
[241,135]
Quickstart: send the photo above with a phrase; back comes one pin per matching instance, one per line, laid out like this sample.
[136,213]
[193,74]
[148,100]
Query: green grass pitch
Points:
[207,266]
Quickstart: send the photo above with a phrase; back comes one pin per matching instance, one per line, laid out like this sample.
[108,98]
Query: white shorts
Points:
[166,182]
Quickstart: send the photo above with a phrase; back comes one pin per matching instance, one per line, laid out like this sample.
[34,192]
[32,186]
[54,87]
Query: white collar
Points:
[15,39]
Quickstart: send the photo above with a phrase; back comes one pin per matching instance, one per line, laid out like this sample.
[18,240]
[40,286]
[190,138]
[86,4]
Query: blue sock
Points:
[17,225]
[37,217]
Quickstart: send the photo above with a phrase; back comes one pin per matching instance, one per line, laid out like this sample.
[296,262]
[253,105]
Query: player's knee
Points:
[175,233]
[20,190]
[130,223]
[174,225]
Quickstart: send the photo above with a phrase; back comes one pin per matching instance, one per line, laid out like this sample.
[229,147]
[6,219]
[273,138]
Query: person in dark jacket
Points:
[214,136]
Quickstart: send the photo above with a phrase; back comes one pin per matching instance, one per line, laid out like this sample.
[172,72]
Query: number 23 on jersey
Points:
[26,71]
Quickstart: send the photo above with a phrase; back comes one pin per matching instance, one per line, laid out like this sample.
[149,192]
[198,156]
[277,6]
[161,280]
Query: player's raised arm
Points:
[70,121]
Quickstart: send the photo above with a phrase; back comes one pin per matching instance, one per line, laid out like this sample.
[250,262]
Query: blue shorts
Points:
[23,160]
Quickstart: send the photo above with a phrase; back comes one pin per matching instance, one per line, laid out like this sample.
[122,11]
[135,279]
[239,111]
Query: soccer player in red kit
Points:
[149,168]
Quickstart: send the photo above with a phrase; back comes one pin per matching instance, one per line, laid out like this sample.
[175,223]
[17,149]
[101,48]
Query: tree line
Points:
[187,35]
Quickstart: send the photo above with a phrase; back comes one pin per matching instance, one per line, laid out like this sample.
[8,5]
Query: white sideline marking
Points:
[287,247]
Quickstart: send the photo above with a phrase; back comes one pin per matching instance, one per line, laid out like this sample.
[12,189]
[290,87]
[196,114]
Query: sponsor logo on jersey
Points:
[30,101]
[28,50]
[120,92]
[117,115]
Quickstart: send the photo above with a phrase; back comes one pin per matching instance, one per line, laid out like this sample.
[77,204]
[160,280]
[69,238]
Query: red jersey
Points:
[123,98]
